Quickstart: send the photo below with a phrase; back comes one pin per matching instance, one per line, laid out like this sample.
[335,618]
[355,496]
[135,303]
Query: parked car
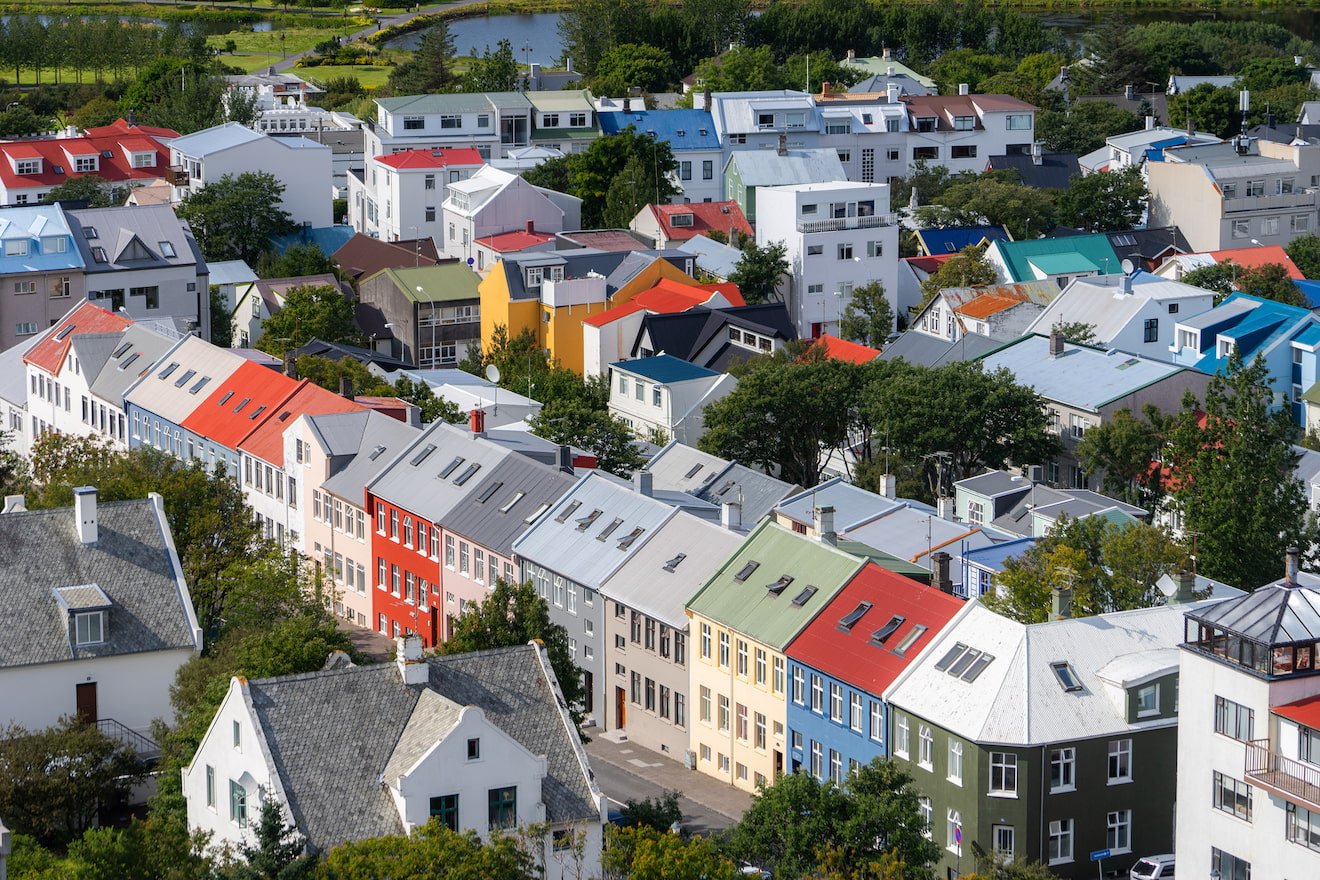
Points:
[1153,868]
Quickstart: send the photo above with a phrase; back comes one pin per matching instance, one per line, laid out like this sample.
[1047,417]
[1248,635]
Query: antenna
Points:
[1244,104]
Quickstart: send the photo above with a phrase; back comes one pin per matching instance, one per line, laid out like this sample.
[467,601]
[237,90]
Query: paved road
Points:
[621,785]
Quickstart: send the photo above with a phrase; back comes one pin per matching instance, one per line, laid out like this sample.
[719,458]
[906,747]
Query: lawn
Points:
[250,62]
[370,76]
[295,39]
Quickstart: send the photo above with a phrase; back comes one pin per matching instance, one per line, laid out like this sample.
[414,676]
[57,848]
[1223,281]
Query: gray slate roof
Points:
[333,733]
[40,552]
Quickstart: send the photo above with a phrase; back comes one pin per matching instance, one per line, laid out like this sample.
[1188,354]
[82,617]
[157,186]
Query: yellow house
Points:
[741,621]
[550,293]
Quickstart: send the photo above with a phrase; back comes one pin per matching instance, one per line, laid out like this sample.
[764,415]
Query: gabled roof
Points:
[363,255]
[664,369]
[436,471]
[952,239]
[843,350]
[265,440]
[360,444]
[109,382]
[687,469]
[58,159]
[687,334]
[337,351]
[1141,244]
[1108,303]
[748,605]
[52,351]
[135,237]
[855,639]
[685,130]
[932,351]
[508,501]
[1052,256]
[46,233]
[1053,171]
[618,267]
[669,296]
[448,281]
[121,126]
[1255,325]
[237,403]
[132,563]
[219,138]
[768,168]
[853,505]
[517,240]
[698,218]
[436,158]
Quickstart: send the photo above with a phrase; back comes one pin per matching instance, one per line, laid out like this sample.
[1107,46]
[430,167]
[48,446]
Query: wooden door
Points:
[620,707]
[85,702]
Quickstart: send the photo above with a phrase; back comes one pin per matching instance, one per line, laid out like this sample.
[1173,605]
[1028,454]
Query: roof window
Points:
[468,473]
[910,639]
[128,360]
[1068,679]
[609,529]
[256,412]
[487,492]
[225,399]
[780,585]
[423,455]
[119,352]
[199,384]
[588,519]
[746,571]
[183,380]
[882,635]
[568,511]
[804,597]
[631,538]
[673,563]
[245,402]
[508,505]
[531,517]
[165,373]
[375,453]
[852,617]
[451,467]
[692,473]
[65,332]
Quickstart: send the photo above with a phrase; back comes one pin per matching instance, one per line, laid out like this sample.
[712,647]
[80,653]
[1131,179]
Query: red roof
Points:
[50,353]
[57,154]
[221,418]
[927,264]
[843,350]
[1259,256]
[849,655]
[1305,711]
[705,217]
[519,239]
[988,304]
[121,126]
[432,158]
[668,297]
[266,441]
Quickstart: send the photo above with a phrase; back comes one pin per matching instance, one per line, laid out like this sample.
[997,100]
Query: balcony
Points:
[840,224]
[1300,200]
[177,175]
[1292,780]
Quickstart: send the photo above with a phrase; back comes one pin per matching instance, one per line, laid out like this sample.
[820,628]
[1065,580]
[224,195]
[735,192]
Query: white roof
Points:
[1104,304]
[176,403]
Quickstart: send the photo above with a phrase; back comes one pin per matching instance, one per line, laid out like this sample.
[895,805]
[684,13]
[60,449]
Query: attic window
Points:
[225,399]
[910,639]
[780,585]
[702,132]
[98,254]
[680,220]
[165,373]
[65,332]
[89,628]
[692,473]
[568,511]
[628,540]
[451,467]
[132,357]
[90,232]
[804,597]
[488,492]
[673,563]
[245,402]
[1067,678]
[183,380]
[375,453]
[284,416]
[467,474]
[609,529]
[952,654]
[423,455]
[119,352]
[508,505]
[727,486]
[199,384]
[746,571]
[880,636]
[256,412]
[977,667]
[106,154]
[588,520]
[681,132]
[531,517]
[167,248]
[850,619]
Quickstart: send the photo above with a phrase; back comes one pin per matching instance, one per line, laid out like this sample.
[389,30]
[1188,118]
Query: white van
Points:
[1153,868]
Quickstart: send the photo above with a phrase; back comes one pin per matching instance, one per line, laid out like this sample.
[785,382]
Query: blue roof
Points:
[1310,336]
[684,129]
[1310,290]
[328,238]
[47,239]
[1254,332]
[953,239]
[994,555]
[665,368]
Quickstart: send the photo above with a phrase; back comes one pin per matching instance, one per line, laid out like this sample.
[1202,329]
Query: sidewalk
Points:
[669,774]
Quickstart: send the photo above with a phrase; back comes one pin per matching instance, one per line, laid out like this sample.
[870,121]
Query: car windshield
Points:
[1144,868]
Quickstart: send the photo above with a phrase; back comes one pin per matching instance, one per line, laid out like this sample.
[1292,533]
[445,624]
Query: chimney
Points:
[731,515]
[705,99]
[1129,93]
[1037,156]
[1184,585]
[886,55]
[891,93]
[945,507]
[270,71]
[782,148]
[1191,126]
[1036,473]
[477,421]
[1297,60]
[852,56]
[1056,344]
[14,504]
[1150,123]
[290,365]
[940,572]
[1061,603]
[825,525]
[824,89]
[132,118]
[568,65]
[531,226]
[962,88]
[644,482]
[1289,566]
[889,71]
[566,459]
[627,104]
[410,660]
[1127,285]
[888,486]
[84,511]
[346,387]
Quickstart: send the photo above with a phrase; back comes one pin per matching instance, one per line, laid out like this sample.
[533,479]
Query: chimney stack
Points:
[1184,583]
[84,511]
[477,421]
[962,88]
[132,119]
[888,486]
[1056,344]
[825,525]
[1061,603]
[346,387]
[1150,122]
[410,660]
[1289,568]
[1126,285]
[627,104]
[824,89]
[890,70]
[566,459]
[14,504]
[945,507]
[892,93]
[1036,473]
[1037,154]
[782,148]
[731,515]
[1129,93]
[290,365]
[886,54]
[644,482]
[705,99]
[852,55]
[940,572]
[1191,126]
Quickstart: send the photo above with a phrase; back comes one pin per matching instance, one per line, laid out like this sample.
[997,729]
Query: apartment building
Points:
[398,195]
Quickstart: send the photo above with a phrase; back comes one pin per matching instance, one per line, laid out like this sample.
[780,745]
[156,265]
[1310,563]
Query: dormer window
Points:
[1225,347]
[167,248]
[86,607]
[964,123]
[89,628]
[16,247]
[144,160]
[86,164]
[680,220]
[54,245]
[27,166]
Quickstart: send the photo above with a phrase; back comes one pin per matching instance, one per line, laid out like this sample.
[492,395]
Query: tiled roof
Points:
[51,352]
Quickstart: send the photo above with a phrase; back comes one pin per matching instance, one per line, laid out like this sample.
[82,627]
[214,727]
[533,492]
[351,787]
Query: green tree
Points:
[1213,109]
[869,318]
[234,218]
[297,260]
[968,268]
[1000,203]
[1123,450]
[590,28]
[1231,460]
[720,21]
[320,311]
[658,813]
[1219,277]
[159,847]
[513,614]
[1271,281]
[760,270]
[648,68]
[959,66]
[574,422]
[1105,201]
[279,852]
[20,121]
[494,71]
[1077,332]
[1304,251]
[431,69]
[96,190]
[645,853]
[631,190]
[595,170]
[432,852]
[222,325]
[1084,126]
[54,782]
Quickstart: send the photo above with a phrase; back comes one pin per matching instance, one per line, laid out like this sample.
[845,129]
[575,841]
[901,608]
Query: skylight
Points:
[673,563]
[422,456]
[119,352]
[1067,678]
[588,520]
[89,232]
[568,511]
[609,529]
[804,597]
[531,518]
[199,384]
[183,380]
[165,373]
[780,585]
[508,505]
[850,619]
[375,453]
[628,540]
[692,473]
[65,332]
[881,635]
[962,661]
[978,666]
[451,467]
[951,655]
[467,474]
[960,665]
[917,631]
[727,486]
[256,412]
[487,492]
[245,402]
[746,571]
[128,360]
[225,399]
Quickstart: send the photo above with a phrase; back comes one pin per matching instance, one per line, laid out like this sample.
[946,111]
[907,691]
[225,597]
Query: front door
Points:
[620,707]
[85,702]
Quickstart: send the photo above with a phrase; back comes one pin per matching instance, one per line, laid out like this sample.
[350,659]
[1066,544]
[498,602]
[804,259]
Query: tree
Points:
[96,190]
[1084,126]
[1231,460]
[575,423]
[639,158]
[19,121]
[279,853]
[645,853]
[1000,203]
[590,28]
[1214,109]
[1123,450]
[759,271]
[159,847]
[631,190]
[1304,251]
[1219,277]
[431,69]
[720,21]
[868,318]
[658,814]
[54,782]
[319,311]
[222,325]
[432,852]
[792,822]
[513,614]
[633,65]
[495,71]
[1271,281]
[234,218]
[304,258]
[967,268]
[1105,201]
[1077,332]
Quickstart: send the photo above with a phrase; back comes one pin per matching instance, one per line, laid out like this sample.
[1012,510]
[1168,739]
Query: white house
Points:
[281,101]
[492,123]
[303,166]
[480,740]
[838,236]
[95,615]
[492,201]
[398,195]
[665,394]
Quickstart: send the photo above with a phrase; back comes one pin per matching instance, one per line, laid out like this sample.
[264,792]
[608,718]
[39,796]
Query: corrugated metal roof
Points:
[356,435]
[178,403]
[768,168]
[711,478]
[110,382]
[429,488]
[499,507]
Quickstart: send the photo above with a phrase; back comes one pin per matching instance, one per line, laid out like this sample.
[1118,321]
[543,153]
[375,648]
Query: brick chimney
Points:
[782,146]
[410,660]
[531,227]
[940,572]
[1056,344]
[84,511]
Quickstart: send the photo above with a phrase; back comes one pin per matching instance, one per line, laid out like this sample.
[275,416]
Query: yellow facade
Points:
[559,330]
[737,707]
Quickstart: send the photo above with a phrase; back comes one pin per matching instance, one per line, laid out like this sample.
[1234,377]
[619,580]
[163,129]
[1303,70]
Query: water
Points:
[535,38]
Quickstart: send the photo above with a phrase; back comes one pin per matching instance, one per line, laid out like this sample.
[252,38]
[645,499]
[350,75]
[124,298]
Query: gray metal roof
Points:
[332,733]
[40,552]
[931,351]
[428,488]
[110,382]
[853,506]
[1273,615]
[718,481]
[93,350]
[351,438]
[992,484]
[488,522]
[913,534]
[117,227]
[1107,307]
[176,403]
[768,168]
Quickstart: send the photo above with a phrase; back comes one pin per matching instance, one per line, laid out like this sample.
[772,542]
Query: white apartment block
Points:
[398,195]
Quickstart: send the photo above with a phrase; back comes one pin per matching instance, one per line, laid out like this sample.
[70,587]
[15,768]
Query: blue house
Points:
[951,240]
[37,257]
[845,658]
[980,566]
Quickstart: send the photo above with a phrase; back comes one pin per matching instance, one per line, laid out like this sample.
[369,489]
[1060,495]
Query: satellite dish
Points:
[1128,268]
[493,373]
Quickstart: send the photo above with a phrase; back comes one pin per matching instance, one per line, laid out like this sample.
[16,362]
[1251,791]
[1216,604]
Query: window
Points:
[742,658]
[817,754]
[237,804]
[954,832]
[685,173]
[1003,774]
[1063,765]
[836,703]
[210,786]
[777,676]
[1300,222]
[705,641]
[975,513]
[84,164]
[28,166]
[413,123]
[1118,837]
[1151,330]
[704,704]
[724,650]
[445,808]
[503,807]
[16,247]
[901,736]
[451,121]
[927,153]
[955,761]
[927,745]
[1232,796]
[1255,188]
[817,694]
[1229,190]
[1002,839]
[1229,866]
[877,731]
[1233,720]
[1061,842]
[927,814]
[1019,122]
[875,248]
[1120,761]
[680,710]
[25,328]
[760,666]
[963,151]
[708,169]
[798,678]
[1268,226]
[845,251]
[1148,700]
[855,711]
[740,721]
[1241,228]
[25,287]
[1303,826]
[89,628]
[722,705]
[680,649]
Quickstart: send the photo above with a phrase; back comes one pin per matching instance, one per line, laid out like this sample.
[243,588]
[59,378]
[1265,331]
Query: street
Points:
[620,785]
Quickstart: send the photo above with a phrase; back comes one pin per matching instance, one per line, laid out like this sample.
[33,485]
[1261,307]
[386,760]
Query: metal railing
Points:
[839,224]
[1287,776]
[144,746]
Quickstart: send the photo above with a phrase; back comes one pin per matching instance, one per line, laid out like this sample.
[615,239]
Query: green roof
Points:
[562,101]
[1074,253]
[750,608]
[1312,394]
[447,282]
[885,560]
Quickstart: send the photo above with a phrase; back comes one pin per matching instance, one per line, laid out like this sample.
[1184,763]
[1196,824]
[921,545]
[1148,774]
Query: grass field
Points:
[370,76]
[250,62]
[295,39]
